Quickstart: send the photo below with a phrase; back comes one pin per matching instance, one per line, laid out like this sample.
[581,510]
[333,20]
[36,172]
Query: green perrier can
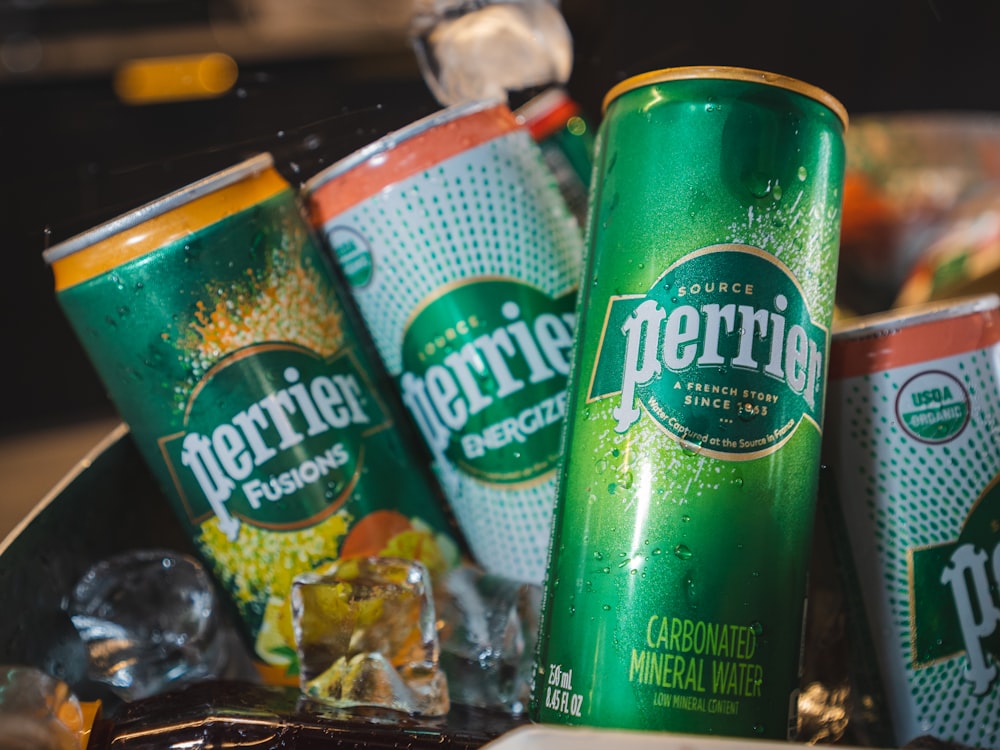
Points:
[224,340]
[675,591]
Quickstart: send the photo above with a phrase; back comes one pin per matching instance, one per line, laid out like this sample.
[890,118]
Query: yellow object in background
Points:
[169,79]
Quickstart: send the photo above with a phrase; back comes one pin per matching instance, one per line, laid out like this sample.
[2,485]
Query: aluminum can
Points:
[912,445]
[465,261]
[676,583]
[215,322]
[566,139]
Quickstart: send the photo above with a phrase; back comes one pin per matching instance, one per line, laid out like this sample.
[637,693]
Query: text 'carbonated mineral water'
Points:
[464,261]
[216,324]
[676,583]
[912,444]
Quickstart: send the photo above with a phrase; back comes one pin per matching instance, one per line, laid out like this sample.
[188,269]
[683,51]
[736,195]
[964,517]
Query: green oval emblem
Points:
[353,254]
[953,596]
[273,437]
[488,387]
[933,407]
[721,352]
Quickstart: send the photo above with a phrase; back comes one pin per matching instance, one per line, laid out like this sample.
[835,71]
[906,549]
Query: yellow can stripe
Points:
[163,229]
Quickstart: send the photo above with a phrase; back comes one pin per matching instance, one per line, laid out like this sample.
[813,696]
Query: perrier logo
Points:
[274,437]
[484,374]
[721,352]
[953,596]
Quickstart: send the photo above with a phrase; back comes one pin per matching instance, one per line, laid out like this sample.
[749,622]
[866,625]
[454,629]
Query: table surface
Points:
[32,463]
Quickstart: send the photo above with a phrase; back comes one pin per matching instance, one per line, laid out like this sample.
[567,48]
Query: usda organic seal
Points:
[933,407]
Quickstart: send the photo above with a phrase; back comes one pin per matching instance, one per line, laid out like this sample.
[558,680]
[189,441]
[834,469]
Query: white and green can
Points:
[464,261]
[912,443]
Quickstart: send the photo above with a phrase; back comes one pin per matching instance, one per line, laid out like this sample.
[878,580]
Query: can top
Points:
[403,153]
[547,112]
[912,335]
[904,317]
[725,73]
[158,207]
[394,139]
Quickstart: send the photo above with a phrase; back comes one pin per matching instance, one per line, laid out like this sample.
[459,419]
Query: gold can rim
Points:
[727,73]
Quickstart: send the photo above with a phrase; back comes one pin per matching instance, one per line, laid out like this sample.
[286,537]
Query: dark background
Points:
[72,155]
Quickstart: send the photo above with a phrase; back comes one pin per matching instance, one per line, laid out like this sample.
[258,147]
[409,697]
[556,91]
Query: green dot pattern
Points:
[899,494]
[491,212]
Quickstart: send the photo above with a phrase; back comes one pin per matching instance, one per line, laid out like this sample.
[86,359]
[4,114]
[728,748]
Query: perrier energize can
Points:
[465,261]
[676,584]
[214,322]
[913,445]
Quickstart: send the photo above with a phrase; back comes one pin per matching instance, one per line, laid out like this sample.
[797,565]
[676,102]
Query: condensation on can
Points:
[911,444]
[676,583]
[216,324]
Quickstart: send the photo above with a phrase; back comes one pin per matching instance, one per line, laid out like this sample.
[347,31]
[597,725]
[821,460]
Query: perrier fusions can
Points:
[220,333]
[676,581]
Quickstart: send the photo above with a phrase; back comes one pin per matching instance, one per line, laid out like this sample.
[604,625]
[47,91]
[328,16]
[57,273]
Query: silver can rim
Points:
[393,139]
[159,206]
[729,73]
[880,324]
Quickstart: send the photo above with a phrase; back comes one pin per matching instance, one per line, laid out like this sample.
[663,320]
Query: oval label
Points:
[353,253]
[933,407]
[484,374]
[721,352]
[274,437]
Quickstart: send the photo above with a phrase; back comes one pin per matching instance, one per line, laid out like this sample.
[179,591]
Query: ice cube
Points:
[488,637]
[366,635]
[37,711]
[150,622]
[484,49]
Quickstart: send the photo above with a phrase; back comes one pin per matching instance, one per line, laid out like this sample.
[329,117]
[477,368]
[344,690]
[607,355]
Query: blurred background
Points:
[313,80]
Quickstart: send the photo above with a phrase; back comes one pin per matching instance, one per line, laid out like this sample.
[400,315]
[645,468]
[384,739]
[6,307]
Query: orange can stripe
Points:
[401,160]
[159,231]
[890,349]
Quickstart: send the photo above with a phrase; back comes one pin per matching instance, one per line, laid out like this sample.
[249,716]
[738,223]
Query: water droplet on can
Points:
[759,185]
[683,552]
[691,447]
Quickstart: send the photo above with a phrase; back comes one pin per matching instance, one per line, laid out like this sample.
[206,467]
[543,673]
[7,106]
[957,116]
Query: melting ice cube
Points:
[150,622]
[366,635]
[489,631]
